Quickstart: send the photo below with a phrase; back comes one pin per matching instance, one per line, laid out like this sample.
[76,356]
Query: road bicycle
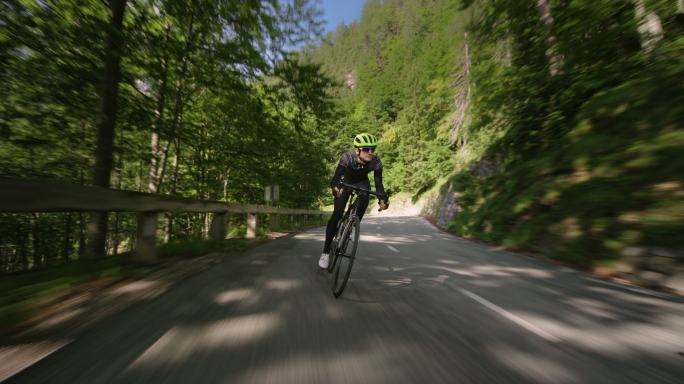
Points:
[346,240]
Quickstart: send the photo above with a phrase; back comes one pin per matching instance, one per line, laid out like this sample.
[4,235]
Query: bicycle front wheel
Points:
[347,252]
[337,240]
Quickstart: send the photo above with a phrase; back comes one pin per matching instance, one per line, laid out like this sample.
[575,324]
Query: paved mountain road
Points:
[421,306]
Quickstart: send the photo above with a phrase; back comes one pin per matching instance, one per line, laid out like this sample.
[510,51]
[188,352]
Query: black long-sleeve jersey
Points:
[351,171]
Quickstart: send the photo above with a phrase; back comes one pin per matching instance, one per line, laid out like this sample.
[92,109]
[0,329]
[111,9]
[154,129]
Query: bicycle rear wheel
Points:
[346,254]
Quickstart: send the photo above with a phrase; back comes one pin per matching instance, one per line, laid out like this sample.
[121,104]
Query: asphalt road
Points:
[421,306]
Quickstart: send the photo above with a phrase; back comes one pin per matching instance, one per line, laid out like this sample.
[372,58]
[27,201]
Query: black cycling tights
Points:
[340,204]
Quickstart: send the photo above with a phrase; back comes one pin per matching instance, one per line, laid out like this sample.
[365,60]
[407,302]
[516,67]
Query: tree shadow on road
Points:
[268,316]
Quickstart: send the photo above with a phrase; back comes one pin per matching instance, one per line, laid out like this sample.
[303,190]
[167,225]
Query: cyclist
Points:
[354,168]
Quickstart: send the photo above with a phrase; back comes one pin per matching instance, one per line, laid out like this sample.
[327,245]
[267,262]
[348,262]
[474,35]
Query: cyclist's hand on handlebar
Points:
[383,205]
[337,191]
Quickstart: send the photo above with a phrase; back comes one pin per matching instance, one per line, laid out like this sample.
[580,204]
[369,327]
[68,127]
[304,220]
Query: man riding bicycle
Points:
[353,168]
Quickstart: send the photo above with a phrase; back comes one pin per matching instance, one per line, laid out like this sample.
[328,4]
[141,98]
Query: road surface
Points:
[421,306]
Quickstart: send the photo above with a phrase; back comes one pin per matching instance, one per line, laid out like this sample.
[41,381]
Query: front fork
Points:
[338,232]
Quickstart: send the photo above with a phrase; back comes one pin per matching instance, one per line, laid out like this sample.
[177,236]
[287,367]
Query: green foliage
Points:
[395,67]
[213,103]
[587,159]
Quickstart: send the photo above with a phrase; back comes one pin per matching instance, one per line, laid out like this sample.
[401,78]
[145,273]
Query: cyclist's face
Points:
[366,154]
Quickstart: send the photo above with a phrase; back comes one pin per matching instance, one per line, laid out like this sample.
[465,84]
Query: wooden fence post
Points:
[146,241]
[320,219]
[251,225]
[291,217]
[217,230]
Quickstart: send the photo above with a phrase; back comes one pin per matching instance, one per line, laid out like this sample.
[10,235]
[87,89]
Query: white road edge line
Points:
[521,322]
[633,289]
[392,248]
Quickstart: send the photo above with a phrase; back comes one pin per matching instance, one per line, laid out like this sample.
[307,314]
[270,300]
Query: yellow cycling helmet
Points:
[365,140]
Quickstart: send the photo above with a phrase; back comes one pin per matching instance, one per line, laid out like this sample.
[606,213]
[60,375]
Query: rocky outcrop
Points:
[449,208]
[654,267]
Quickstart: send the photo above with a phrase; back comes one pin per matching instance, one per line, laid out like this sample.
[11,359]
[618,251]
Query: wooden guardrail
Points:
[17,196]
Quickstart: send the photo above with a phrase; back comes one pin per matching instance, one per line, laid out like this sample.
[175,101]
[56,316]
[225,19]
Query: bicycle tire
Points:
[350,238]
[336,240]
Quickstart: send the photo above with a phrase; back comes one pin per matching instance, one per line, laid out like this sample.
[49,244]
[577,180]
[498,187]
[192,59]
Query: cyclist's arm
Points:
[337,176]
[379,188]
[345,160]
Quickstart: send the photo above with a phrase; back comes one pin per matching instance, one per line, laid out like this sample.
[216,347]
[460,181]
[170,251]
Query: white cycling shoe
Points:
[324,261]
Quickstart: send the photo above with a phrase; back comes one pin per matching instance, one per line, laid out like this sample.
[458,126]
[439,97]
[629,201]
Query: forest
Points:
[201,99]
[555,126]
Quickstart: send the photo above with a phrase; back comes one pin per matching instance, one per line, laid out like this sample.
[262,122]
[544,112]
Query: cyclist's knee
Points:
[336,216]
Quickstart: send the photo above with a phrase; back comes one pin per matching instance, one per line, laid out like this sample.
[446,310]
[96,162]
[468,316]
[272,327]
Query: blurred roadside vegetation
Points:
[27,294]
[580,122]
[205,99]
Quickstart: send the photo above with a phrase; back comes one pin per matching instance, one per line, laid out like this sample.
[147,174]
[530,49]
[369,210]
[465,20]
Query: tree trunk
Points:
[162,161]
[139,177]
[115,235]
[552,53]
[650,26]
[48,237]
[153,184]
[169,227]
[81,235]
[66,245]
[117,216]
[35,239]
[159,156]
[178,104]
[174,187]
[155,161]
[176,162]
[207,224]
[23,247]
[109,97]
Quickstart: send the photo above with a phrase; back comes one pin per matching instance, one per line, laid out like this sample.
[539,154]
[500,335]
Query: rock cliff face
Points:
[448,203]
[448,208]
[654,267]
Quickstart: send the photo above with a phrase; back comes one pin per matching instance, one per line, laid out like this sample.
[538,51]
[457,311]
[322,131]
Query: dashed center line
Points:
[392,248]
[504,313]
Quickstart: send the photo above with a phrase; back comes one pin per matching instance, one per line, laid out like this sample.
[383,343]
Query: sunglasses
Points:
[367,149]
